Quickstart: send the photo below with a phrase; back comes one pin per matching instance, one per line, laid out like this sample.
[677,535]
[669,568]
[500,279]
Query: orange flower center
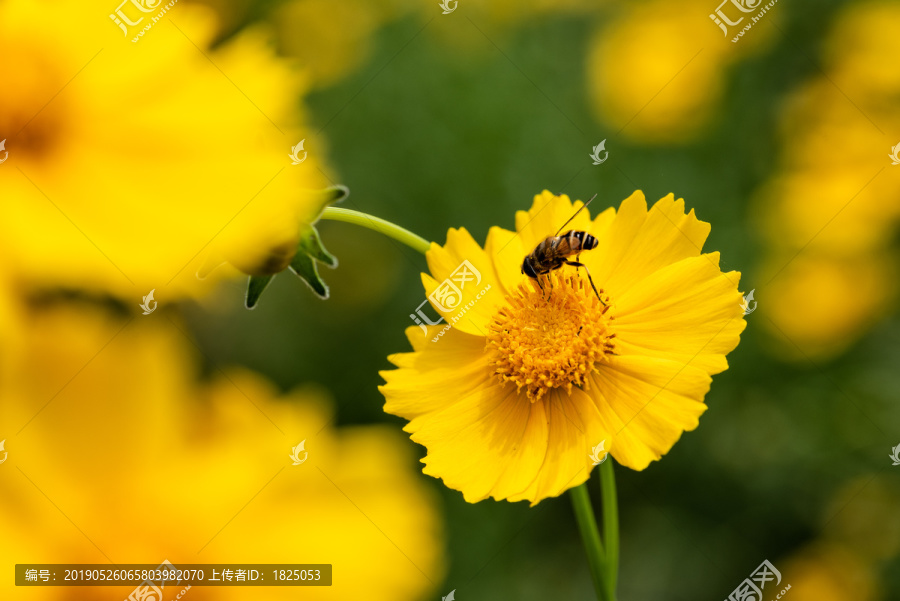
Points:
[552,338]
[37,80]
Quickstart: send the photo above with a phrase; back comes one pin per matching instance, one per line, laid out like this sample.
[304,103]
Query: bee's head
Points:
[528,268]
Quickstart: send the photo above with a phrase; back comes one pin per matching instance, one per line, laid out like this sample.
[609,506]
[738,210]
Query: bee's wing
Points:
[563,248]
[584,206]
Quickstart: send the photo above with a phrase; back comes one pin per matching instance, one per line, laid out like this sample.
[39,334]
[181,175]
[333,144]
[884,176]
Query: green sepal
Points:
[311,244]
[305,267]
[310,250]
[255,288]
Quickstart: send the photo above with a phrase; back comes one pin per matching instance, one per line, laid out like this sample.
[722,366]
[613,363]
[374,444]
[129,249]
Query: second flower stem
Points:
[587,525]
[610,525]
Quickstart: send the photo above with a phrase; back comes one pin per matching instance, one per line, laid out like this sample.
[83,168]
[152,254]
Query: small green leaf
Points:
[305,267]
[255,288]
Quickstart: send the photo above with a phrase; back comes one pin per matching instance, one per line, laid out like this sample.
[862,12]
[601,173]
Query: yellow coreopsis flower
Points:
[826,572]
[134,149]
[658,70]
[135,461]
[512,397]
[307,29]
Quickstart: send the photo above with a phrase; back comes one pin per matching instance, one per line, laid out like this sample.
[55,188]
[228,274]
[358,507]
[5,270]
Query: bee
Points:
[554,252]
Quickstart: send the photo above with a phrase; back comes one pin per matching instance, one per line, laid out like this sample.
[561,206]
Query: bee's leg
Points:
[550,282]
[590,279]
[537,279]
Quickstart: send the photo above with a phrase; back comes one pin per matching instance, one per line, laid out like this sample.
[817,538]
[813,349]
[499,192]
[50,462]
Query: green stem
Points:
[610,525]
[587,525]
[379,225]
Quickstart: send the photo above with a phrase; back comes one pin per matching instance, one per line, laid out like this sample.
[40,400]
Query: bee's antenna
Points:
[584,206]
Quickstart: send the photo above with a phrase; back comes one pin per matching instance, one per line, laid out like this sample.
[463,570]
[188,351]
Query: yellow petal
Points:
[688,312]
[547,214]
[462,285]
[638,242]
[575,426]
[649,402]
[448,369]
[484,438]
[505,250]
[491,443]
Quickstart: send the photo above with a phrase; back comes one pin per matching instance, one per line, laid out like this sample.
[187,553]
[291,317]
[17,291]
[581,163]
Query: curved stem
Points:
[610,525]
[379,225]
[587,525]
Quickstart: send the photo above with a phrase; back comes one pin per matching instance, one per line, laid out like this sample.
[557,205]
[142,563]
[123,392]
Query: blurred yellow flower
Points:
[865,518]
[820,129]
[330,37]
[515,12]
[830,211]
[824,303]
[632,373]
[132,461]
[829,215]
[824,572]
[127,158]
[859,48]
[659,68]
[306,28]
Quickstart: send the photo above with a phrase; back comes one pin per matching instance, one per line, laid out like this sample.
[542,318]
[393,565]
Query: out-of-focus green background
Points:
[436,121]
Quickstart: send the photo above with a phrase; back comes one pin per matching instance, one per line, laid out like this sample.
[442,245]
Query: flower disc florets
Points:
[550,338]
